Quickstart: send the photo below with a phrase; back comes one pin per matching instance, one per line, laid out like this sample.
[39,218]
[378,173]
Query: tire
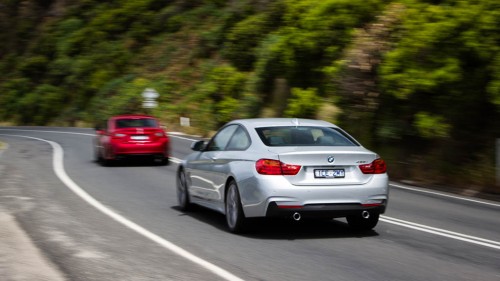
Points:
[360,223]
[235,217]
[183,192]
[100,159]
[97,156]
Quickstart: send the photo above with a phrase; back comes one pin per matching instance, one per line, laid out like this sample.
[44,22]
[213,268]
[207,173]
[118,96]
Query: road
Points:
[122,223]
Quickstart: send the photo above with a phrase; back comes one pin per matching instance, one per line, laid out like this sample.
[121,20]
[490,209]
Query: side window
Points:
[239,141]
[221,139]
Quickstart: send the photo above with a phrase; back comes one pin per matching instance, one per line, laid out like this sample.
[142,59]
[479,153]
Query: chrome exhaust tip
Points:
[365,214]
[296,216]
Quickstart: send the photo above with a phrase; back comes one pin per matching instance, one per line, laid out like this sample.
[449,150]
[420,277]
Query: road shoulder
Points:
[20,259]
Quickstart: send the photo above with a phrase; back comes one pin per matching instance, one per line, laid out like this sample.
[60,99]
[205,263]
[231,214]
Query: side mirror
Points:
[198,146]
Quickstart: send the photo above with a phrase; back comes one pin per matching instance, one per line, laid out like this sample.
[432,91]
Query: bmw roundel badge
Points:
[330,159]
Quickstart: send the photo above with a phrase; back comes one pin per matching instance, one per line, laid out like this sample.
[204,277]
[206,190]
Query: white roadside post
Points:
[185,122]
[150,95]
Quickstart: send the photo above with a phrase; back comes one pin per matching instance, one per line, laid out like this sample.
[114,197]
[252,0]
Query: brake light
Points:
[275,167]
[378,166]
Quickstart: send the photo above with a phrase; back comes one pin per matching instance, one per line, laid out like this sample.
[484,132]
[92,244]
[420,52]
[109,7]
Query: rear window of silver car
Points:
[304,136]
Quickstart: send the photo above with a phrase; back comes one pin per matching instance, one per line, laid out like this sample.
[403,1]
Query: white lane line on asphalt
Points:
[58,165]
[43,131]
[176,160]
[437,231]
[445,195]
[443,232]
[171,134]
[173,159]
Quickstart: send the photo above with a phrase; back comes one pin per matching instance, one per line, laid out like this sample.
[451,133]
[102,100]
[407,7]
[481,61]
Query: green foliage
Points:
[430,126]
[303,103]
[444,64]
[221,88]
[42,104]
[423,76]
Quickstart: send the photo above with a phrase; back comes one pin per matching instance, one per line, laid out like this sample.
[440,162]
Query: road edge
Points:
[20,258]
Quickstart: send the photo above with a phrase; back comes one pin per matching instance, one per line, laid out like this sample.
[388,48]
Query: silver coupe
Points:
[284,167]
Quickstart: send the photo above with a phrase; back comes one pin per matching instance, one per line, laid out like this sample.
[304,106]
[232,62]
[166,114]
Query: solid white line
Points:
[442,232]
[420,227]
[58,156]
[43,131]
[179,137]
[445,195]
[391,184]
[174,135]
[173,159]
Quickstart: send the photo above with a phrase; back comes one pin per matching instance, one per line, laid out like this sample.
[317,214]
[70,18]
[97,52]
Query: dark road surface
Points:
[129,228]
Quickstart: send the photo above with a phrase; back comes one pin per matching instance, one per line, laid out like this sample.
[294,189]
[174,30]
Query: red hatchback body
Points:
[131,135]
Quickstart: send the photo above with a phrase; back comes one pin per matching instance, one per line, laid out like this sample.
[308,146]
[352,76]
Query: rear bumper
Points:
[262,196]
[322,210]
[159,148]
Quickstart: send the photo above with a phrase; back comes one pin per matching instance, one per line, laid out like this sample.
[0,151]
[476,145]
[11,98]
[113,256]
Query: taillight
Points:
[118,135]
[378,166]
[275,167]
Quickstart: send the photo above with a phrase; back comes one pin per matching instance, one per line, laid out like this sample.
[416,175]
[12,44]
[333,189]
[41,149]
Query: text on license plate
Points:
[329,173]
[139,137]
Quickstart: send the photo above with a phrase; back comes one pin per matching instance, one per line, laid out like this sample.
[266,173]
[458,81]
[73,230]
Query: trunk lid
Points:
[326,165]
[140,135]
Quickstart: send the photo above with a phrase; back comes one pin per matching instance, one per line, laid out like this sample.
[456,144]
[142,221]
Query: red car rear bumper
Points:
[159,147]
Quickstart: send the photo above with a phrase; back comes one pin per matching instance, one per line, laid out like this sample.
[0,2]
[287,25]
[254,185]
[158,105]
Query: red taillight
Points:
[275,167]
[378,166]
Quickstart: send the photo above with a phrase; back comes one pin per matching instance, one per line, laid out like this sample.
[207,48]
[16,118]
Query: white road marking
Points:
[443,232]
[445,195]
[42,131]
[58,165]
[415,226]
[173,159]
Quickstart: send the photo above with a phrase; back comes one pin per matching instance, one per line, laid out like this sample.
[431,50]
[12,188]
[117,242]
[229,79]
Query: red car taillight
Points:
[275,167]
[378,166]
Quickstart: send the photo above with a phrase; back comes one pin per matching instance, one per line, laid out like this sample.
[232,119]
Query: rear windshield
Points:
[136,122]
[304,136]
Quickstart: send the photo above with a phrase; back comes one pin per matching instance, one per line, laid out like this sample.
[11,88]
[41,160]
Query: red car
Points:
[126,136]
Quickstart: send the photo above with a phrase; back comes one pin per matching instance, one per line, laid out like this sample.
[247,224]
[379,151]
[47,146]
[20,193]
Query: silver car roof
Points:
[275,122]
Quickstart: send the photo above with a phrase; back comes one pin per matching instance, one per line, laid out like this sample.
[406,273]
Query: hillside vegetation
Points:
[416,80]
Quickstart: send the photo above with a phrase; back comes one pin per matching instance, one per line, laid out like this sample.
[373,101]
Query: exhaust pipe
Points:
[296,216]
[365,214]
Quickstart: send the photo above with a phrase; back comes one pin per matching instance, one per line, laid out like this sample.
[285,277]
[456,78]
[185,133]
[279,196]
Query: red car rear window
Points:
[136,122]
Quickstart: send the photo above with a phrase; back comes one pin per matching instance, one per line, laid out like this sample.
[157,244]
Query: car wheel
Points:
[363,221]
[235,217]
[100,159]
[182,191]
[97,156]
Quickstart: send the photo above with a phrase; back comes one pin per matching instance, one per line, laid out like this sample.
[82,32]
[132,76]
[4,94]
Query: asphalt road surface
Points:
[90,222]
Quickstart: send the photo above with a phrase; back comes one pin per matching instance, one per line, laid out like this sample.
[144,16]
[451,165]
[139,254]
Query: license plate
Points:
[329,173]
[139,137]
